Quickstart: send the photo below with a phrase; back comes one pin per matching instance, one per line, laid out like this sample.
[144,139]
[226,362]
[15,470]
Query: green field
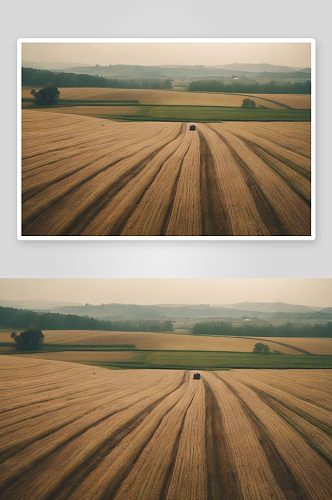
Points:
[185,113]
[186,360]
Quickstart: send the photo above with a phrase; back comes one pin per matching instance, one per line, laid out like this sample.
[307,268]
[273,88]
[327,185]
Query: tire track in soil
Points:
[168,478]
[223,484]
[123,218]
[29,223]
[278,407]
[115,485]
[172,197]
[262,154]
[80,470]
[215,218]
[282,473]
[264,207]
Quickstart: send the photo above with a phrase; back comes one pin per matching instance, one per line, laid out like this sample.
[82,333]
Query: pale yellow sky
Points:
[208,54]
[311,292]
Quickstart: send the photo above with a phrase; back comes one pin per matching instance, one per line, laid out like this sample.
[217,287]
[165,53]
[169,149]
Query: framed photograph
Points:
[126,390]
[166,139]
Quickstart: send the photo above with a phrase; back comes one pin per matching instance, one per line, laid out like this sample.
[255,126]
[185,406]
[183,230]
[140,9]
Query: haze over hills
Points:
[41,305]
[250,309]
[273,307]
[194,71]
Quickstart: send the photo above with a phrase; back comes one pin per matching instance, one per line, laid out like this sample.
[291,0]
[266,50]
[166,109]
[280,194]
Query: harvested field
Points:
[70,431]
[94,110]
[85,176]
[147,340]
[311,345]
[164,97]
[295,101]
[85,357]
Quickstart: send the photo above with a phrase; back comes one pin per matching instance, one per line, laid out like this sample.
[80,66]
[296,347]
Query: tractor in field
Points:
[197,376]
[192,127]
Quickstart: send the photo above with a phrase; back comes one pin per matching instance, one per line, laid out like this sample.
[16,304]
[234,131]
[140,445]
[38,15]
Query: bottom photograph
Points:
[165,389]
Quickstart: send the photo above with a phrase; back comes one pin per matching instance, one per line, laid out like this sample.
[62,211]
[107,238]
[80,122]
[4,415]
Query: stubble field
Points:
[72,431]
[85,176]
[170,97]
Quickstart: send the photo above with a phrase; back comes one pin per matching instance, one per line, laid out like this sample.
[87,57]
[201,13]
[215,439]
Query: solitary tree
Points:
[261,348]
[248,103]
[28,339]
[48,95]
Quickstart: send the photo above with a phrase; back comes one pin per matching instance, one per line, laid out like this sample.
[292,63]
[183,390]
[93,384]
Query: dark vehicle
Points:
[192,127]
[197,375]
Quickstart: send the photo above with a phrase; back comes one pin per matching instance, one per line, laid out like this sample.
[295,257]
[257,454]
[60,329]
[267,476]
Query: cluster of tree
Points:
[260,348]
[287,330]
[248,103]
[47,95]
[19,318]
[251,88]
[41,77]
[28,339]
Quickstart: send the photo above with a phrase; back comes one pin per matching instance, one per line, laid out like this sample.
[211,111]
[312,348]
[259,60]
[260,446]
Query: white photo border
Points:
[312,42]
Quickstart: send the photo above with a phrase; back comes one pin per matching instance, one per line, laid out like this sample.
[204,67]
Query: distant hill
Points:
[327,310]
[193,71]
[259,68]
[41,305]
[273,307]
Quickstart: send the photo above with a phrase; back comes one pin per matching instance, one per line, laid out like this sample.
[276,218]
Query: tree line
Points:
[22,318]
[40,77]
[251,88]
[287,330]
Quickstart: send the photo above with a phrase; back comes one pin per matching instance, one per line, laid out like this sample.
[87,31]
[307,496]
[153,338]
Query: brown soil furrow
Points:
[113,218]
[30,472]
[266,210]
[172,197]
[85,218]
[222,481]
[80,192]
[91,462]
[302,426]
[215,219]
[282,473]
[105,481]
[307,468]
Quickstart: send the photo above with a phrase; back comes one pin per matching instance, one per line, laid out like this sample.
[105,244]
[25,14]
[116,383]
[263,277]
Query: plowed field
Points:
[70,431]
[85,176]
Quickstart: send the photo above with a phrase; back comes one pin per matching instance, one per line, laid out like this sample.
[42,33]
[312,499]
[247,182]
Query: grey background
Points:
[119,259]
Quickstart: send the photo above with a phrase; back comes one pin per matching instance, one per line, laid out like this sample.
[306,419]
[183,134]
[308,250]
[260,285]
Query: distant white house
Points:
[247,319]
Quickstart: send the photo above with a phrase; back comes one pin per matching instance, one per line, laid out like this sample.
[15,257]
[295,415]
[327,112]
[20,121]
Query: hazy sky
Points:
[290,54]
[311,292]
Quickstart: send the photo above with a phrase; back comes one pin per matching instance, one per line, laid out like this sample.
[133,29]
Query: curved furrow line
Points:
[72,194]
[112,219]
[62,173]
[69,484]
[282,473]
[258,147]
[288,453]
[113,141]
[170,469]
[215,217]
[223,483]
[300,424]
[266,210]
[270,399]
[84,218]
[119,450]
[291,144]
[168,211]
[30,471]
